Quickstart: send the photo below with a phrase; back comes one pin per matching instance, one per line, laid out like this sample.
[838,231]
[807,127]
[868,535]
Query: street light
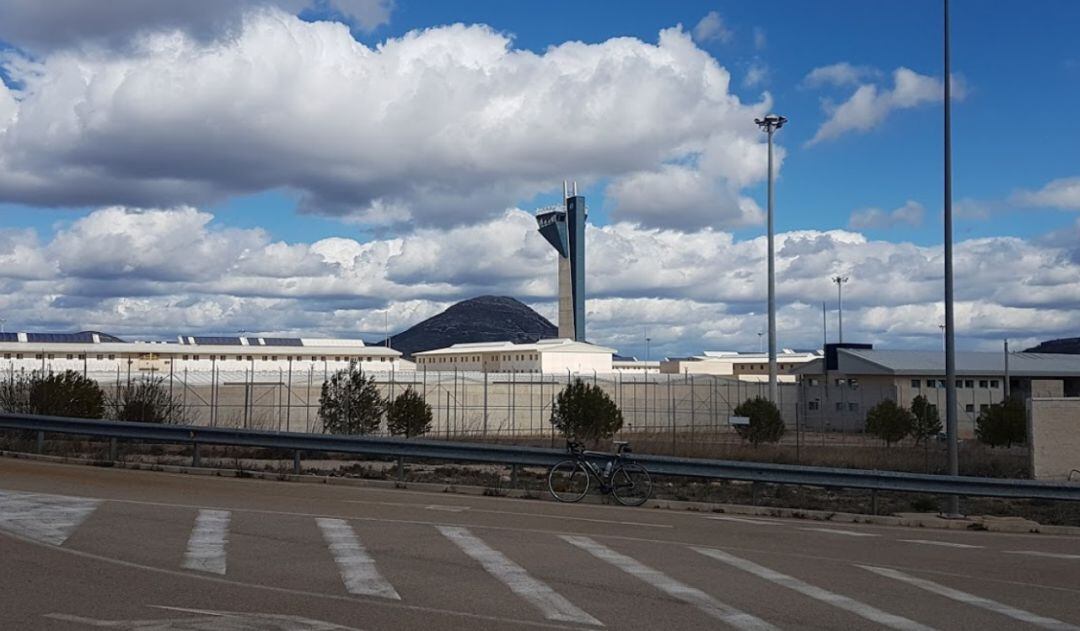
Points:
[769,125]
[950,325]
[840,280]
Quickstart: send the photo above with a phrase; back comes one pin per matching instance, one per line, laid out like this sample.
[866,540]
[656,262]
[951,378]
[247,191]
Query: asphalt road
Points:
[86,548]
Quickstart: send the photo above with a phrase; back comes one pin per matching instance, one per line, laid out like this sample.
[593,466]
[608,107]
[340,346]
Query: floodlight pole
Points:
[769,125]
[953,508]
[840,280]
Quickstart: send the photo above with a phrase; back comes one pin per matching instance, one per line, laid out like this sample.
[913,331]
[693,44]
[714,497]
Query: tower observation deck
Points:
[564,228]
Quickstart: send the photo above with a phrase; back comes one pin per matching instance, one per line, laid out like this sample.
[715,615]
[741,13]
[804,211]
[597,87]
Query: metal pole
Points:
[772,281]
[1006,383]
[840,306]
[950,326]
[824,327]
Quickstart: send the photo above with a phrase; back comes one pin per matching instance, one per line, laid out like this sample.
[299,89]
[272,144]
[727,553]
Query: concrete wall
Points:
[1054,437]
[556,362]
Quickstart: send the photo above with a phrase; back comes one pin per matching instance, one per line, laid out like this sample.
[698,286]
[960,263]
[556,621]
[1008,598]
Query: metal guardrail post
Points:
[41,442]
[195,454]
[296,462]
[401,469]
[513,476]
[113,456]
[873,502]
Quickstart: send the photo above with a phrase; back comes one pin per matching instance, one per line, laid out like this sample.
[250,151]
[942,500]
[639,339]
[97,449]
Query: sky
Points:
[337,167]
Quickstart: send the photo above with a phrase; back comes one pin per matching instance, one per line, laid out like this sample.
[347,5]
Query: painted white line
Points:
[744,520]
[848,533]
[670,586]
[945,544]
[206,546]
[534,515]
[46,518]
[356,566]
[872,614]
[1048,555]
[971,599]
[553,605]
[449,509]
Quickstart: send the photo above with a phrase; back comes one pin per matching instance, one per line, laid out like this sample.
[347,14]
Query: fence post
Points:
[195,461]
[873,501]
[401,469]
[112,449]
[41,442]
[296,462]
[513,476]
[484,434]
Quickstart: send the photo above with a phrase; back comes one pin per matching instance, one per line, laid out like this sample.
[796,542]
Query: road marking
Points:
[206,546]
[849,533]
[356,566]
[524,514]
[971,599]
[670,586]
[946,544]
[217,620]
[553,605]
[1048,555]
[837,600]
[46,518]
[744,520]
[449,509]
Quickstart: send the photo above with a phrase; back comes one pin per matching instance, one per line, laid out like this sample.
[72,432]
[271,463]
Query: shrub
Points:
[66,393]
[766,425]
[585,412]
[408,415]
[1002,424]
[889,422]
[926,423]
[147,401]
[350,403]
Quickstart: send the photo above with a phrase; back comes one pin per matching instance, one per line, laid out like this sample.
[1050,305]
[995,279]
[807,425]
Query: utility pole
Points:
[950,324]
[769,125]
[824,328]
[840,280]
[1006,384]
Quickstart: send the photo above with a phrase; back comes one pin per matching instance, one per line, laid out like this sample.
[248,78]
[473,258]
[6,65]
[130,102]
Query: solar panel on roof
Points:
[84,337]
[283,341]
[208,340]
[9,337]
[253,341]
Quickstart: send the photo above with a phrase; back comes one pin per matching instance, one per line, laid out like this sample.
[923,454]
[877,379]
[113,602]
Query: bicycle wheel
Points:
[568,481]
[631,484]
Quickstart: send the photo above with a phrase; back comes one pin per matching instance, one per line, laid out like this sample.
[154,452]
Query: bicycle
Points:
[628,482]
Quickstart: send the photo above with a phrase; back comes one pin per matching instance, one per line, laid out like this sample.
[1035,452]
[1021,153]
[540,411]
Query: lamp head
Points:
[771,122]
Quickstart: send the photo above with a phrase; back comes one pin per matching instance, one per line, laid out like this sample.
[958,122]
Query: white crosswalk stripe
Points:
[846,533]
[670,586]
[356,566]
[869,612]
[971,599]
[45,518]
[553,605]
[206,546]
[1045,555]
[744,520]
[944,544]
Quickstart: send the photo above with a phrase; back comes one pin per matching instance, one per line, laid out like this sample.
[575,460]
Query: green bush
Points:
[147,401]
[585,412]
[766,425]
[350,403]
[408,415]
[889,422]
[926,423]
[65,393]
[1002,424]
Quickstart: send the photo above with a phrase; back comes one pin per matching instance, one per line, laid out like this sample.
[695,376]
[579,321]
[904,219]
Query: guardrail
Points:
[424,449]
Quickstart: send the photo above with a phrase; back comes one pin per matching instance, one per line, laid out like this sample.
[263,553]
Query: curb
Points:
[988,523]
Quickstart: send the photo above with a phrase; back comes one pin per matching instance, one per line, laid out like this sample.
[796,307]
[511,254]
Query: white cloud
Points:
[759,38]
[871,104]
[756,74]
[437,127]
[1063,193]
[162,272]
[911,214]
[839,74]
[712,27]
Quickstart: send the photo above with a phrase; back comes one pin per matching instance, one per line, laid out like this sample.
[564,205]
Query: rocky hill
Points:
[1070,345]
[481,319]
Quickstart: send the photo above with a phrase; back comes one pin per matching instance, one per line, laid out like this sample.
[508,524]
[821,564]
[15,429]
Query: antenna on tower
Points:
[575,188]
[564,195]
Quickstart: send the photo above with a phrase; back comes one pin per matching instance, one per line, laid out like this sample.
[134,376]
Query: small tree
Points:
[408,415]
[927,422]
[889,422]
[1002,424]
[65,393]
[585,412]
[766,425]
[147,401]
[350,403]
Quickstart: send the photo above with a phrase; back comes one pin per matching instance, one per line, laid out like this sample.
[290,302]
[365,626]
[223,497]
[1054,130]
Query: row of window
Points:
[852,406]
[520,357]
[960,383]
[101,357]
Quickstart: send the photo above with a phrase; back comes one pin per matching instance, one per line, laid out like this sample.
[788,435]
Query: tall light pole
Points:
[840,280]
[950,328]
[769,125]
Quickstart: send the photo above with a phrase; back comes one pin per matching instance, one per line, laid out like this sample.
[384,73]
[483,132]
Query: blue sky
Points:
[1018,76]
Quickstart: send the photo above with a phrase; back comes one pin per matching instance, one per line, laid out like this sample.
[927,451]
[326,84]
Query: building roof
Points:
[559,345]
[890,362]
[102,342]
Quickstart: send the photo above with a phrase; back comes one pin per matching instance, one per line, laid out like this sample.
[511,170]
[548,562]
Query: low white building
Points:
[545,356]
[743,366]
[92,352]
[635,366]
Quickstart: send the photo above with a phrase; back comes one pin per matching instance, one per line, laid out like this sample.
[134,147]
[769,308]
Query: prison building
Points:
[542,357]
[753,367]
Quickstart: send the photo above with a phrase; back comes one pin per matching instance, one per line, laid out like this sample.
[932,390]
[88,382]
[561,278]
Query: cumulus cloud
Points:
[166,271]
[871,104]
[44,26]
[1063,193]
[712,27]
[911,214]
[756,74]
[839,74]
[438,127]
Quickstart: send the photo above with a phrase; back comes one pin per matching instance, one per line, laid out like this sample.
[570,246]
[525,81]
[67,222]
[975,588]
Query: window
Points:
[813,405]
[273,358]
[959,383]
[970,407]
[70,356]
[941,383]
[839,406]
[18,355]
[854,383]
[916,383]
[983,383]
[323,358]
[101,357]
[853,407]
[195,357]
[250,358]
[840,382]
[82,356]
[984,407]
[7,355]
[112,357]
[51,356]
[929,383]
[994,383]
[932,407]
[185,357]
[814,381]
[969,383]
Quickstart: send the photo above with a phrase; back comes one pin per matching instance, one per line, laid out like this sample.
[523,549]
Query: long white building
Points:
[545,356]
[743,366]
[93,352]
